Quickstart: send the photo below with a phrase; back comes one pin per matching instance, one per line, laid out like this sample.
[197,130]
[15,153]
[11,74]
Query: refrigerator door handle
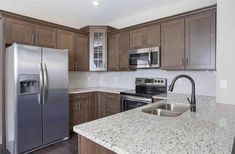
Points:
[40,84]
[45,77]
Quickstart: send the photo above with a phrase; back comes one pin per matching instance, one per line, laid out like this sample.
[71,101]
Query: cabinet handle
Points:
[79,106]
[76,106]
[33,38]
[76,64]
[36,39]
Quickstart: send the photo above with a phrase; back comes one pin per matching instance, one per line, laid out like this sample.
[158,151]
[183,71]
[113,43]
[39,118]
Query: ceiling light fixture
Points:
[95,3]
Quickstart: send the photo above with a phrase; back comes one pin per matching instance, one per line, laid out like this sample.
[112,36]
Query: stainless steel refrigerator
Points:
[37,106]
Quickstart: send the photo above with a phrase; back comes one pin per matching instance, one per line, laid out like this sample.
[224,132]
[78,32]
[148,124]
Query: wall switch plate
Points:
[223,84]
[88,78]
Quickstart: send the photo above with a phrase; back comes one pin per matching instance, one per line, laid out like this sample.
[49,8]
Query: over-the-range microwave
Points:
[144,58]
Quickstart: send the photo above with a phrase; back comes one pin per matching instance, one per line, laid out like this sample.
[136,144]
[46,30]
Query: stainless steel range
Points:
[145,91]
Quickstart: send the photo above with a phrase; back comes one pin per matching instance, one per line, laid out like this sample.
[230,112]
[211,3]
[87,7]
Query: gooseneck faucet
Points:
[193,98]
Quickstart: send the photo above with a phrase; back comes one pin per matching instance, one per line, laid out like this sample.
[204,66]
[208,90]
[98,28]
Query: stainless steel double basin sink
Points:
[167,109]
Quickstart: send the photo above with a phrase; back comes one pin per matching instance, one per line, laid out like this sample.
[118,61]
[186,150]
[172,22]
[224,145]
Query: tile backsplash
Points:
[205,80]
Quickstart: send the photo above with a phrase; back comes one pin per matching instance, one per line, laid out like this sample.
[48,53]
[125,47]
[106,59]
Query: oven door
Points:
[139,60]
[131,102]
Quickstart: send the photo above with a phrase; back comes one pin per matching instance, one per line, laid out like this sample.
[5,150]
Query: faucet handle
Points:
[189,100]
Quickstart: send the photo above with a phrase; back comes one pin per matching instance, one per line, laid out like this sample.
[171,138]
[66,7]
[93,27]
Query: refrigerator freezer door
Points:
[55,95]
[29,110]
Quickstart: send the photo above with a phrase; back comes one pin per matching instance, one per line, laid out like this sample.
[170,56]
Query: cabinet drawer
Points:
[79,96]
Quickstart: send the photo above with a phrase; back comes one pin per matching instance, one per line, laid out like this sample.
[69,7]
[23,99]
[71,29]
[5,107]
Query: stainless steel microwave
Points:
[144,58]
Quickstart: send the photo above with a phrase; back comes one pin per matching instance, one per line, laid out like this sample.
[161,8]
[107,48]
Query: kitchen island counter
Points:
[210,130]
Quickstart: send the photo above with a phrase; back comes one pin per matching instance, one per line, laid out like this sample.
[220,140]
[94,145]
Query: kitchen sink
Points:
[167,110]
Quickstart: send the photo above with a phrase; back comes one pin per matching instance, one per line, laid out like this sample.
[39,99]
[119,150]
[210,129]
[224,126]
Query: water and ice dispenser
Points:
[29,84]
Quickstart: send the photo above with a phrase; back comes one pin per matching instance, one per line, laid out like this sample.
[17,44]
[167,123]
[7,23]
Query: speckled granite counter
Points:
[210,130]
[93,89]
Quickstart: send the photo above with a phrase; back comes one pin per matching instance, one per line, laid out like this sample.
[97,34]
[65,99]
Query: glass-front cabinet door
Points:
[98,49]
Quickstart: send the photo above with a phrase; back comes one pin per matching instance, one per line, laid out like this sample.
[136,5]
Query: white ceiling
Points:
[80,13]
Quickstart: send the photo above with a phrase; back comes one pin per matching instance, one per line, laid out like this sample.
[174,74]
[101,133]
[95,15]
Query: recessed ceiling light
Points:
[95,3]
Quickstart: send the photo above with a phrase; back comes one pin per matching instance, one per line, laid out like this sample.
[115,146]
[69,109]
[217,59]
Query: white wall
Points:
[225,50]
[205,80]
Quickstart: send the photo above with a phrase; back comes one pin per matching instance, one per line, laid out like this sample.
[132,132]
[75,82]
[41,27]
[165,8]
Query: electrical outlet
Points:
[223,84]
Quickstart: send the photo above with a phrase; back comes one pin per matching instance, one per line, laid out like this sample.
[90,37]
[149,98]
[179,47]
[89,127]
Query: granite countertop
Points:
[210,130]
[93,89]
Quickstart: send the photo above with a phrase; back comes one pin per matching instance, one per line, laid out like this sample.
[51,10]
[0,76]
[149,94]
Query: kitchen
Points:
[190,38]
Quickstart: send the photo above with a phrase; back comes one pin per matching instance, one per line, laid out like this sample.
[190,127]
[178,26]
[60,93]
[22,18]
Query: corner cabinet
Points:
[98,49]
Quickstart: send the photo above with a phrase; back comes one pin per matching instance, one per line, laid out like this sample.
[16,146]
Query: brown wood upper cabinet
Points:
[118,52]
[81,55]
[31,34]
[123,50]
[66,41]
[19,31]
[172,44]
[45,36]
[200,41]
[189,43]
[113,56]
[144,37]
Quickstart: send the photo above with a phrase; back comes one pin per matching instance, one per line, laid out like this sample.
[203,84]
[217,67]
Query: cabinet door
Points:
[79,104]
[66,41]
[91,106]
[137,38]
[19,32]
[45,36]
[123,49]
[113,56]
[172,44]
[112,103]
[200,41]
[98,49]
[73,114]
[101,112]
[152,36]
[82,110]
[81,57]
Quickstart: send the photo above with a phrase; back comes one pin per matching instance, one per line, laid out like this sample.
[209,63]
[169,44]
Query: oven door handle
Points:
[149,59]
[132,98]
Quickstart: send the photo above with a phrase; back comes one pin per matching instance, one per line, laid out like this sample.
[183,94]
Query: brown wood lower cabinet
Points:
[82,108]
[86,146]
[85,107]
[108,104]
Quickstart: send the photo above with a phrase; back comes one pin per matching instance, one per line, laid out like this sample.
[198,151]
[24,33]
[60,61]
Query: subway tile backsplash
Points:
[205,80]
